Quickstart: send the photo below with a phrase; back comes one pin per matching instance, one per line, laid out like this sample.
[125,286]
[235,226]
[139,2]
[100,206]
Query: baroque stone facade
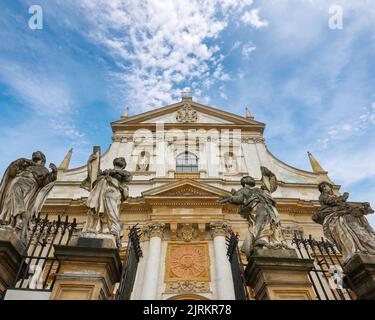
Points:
[184,158]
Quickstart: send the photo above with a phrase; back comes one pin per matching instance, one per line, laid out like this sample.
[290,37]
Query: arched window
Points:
[186,162]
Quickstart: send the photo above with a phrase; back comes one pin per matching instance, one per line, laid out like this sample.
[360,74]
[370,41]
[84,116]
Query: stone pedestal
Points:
[360,272]
[11,251]
[278,274]
[89,268]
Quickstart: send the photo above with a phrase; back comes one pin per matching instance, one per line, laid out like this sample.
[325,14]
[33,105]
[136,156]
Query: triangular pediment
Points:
[187,111]
[185,188]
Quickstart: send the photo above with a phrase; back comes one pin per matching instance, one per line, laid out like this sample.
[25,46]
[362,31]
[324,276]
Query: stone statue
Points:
[230,163]
[258,207]
[108,192]
[143,161]
[344,223]
[23,191]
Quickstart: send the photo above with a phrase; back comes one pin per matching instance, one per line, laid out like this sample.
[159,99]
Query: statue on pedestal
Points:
[23,191]
[109,190]
[259,208]
[344,223]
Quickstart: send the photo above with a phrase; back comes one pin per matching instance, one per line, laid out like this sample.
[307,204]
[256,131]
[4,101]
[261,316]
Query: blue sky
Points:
[314,87]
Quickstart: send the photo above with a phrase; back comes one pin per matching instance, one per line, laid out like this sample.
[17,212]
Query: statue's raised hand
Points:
[53,167]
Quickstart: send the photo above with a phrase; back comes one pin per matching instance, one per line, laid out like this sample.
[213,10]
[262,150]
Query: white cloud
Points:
[247,49]
[351,128]
[162,45]
[236,45]
[252,19]
[51,102]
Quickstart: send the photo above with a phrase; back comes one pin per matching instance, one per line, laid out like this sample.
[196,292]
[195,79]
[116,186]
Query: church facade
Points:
[183,158]
[187,203]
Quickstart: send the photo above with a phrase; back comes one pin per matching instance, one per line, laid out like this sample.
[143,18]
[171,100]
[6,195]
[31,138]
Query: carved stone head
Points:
[325,187]
[39,157]
[247,180]
[119,162]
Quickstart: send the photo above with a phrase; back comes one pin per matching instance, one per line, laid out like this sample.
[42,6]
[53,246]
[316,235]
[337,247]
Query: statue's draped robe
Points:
[23,191]
[105,199]
[351,234]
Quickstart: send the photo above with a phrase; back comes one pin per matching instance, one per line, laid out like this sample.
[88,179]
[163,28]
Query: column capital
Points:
[219,228]
[154,229]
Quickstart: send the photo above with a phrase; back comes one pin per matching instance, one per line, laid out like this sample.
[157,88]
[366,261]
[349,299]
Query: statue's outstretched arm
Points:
[236,198]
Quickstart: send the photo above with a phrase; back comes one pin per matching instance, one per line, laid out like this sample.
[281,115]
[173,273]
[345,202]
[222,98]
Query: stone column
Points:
[279,274]
[224,279]
[151,276]
[360,271]
[89,268]
[11,251]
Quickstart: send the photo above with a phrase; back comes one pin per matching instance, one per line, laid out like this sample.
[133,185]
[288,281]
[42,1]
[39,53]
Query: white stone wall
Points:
[300,184]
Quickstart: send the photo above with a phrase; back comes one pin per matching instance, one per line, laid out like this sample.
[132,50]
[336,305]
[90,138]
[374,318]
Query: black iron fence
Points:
[132,255]
[327,277]
[233,253]
[39,265]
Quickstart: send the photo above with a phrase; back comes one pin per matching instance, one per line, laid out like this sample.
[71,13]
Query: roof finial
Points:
[187,94]
[248,114]
[65,163]
[316,167]
[126,113]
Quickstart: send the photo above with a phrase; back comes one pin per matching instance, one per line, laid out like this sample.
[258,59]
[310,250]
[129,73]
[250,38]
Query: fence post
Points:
[11,251]
[360,271]
[279,274]
[89,268]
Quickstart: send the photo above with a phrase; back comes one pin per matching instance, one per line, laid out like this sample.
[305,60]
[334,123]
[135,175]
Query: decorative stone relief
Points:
[186,114]
[252,139]
[290,231]
[187,262]
[186,191]
[116,138]
[187,287]
[187,232]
